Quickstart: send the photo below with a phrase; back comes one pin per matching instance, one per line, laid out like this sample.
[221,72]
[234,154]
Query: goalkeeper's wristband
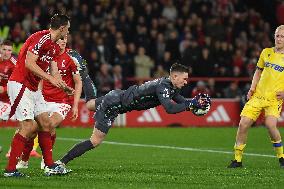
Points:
[188,105]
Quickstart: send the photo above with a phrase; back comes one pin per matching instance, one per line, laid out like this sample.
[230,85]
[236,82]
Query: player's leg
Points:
[23,109]
[9,151]
[84,146]
[271,114]
[248,116]
[241,138]
[24,162]
[90,92]
[102,126]
[17,146]
[44,136]
[45,143]
[56,120]
[89,87]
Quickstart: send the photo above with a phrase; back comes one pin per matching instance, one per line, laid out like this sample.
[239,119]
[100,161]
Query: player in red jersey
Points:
[58,102]
[35,58]
[7,64]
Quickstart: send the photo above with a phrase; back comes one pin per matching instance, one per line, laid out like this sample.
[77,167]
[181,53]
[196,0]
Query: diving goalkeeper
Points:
[148,95]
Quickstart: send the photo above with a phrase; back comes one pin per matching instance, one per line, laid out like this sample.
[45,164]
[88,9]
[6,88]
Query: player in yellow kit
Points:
[266,93]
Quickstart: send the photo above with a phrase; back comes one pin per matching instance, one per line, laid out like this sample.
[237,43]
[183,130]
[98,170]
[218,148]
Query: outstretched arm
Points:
[165,100]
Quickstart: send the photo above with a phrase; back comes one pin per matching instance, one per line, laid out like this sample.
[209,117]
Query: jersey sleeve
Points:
[38,45]
[260,63]
[163,93]
[178,98]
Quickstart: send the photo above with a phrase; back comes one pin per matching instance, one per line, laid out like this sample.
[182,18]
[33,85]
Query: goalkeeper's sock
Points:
[278,147]
[239,150]
[77,150]
[89,88]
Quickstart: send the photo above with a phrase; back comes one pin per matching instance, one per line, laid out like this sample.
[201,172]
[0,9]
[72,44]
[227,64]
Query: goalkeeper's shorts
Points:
[256,105]
[104,115]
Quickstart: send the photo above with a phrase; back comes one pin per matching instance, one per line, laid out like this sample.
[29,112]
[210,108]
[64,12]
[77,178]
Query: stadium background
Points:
[127,42]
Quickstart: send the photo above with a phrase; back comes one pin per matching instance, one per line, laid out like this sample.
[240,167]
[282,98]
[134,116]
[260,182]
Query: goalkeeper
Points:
[148,95]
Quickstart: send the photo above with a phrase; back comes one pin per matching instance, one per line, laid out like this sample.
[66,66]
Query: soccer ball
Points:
[201,112]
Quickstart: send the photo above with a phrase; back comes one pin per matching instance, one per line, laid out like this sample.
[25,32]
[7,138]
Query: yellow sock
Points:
[278,147]
[239,152]
[35,143]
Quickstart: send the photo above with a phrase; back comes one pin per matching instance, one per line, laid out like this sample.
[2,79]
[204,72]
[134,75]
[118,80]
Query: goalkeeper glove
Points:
[191,104]
[200,101]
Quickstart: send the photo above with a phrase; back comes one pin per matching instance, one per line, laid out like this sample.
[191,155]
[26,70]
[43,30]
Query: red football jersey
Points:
[66,68]
[39,43]
[6,69]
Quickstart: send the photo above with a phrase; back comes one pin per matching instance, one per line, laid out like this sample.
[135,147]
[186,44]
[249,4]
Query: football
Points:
[201,112]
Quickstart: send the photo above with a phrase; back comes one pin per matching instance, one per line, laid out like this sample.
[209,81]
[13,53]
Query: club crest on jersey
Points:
[274,66]
[166,93]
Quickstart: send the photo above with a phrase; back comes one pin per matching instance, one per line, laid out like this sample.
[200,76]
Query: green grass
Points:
[124,166]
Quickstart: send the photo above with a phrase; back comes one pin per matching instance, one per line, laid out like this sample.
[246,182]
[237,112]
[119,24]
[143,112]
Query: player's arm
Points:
[165,100]
[53,69]
[77,94]
[178,98]
[31,65]
[254,82]
[257,74]
[3,89]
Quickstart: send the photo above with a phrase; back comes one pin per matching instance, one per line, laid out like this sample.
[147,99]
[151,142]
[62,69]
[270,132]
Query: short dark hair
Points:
[176,67]
[7,42]
[59,20]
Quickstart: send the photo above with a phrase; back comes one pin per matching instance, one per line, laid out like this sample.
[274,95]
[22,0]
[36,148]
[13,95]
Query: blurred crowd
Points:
[124,39]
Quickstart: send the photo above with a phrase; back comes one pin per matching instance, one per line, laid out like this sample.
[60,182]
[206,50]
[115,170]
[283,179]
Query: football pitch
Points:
[156,158]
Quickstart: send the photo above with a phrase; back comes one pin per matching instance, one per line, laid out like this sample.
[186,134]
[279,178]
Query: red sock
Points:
[17,148]
[27,150]
[53,137]
[45,143]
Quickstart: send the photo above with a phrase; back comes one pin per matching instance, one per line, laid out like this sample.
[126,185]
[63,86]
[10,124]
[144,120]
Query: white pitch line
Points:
[167,147]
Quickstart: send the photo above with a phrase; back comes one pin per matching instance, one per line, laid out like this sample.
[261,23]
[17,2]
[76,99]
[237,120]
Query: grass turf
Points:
[141,166]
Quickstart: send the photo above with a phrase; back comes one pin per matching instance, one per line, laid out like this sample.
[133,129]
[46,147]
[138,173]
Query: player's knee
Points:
[91,104]
[27,129]
[244,124]
[96,142]
[46,125]
[96,139]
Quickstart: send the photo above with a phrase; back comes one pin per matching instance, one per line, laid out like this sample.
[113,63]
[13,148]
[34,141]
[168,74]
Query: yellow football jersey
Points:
[272,77]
